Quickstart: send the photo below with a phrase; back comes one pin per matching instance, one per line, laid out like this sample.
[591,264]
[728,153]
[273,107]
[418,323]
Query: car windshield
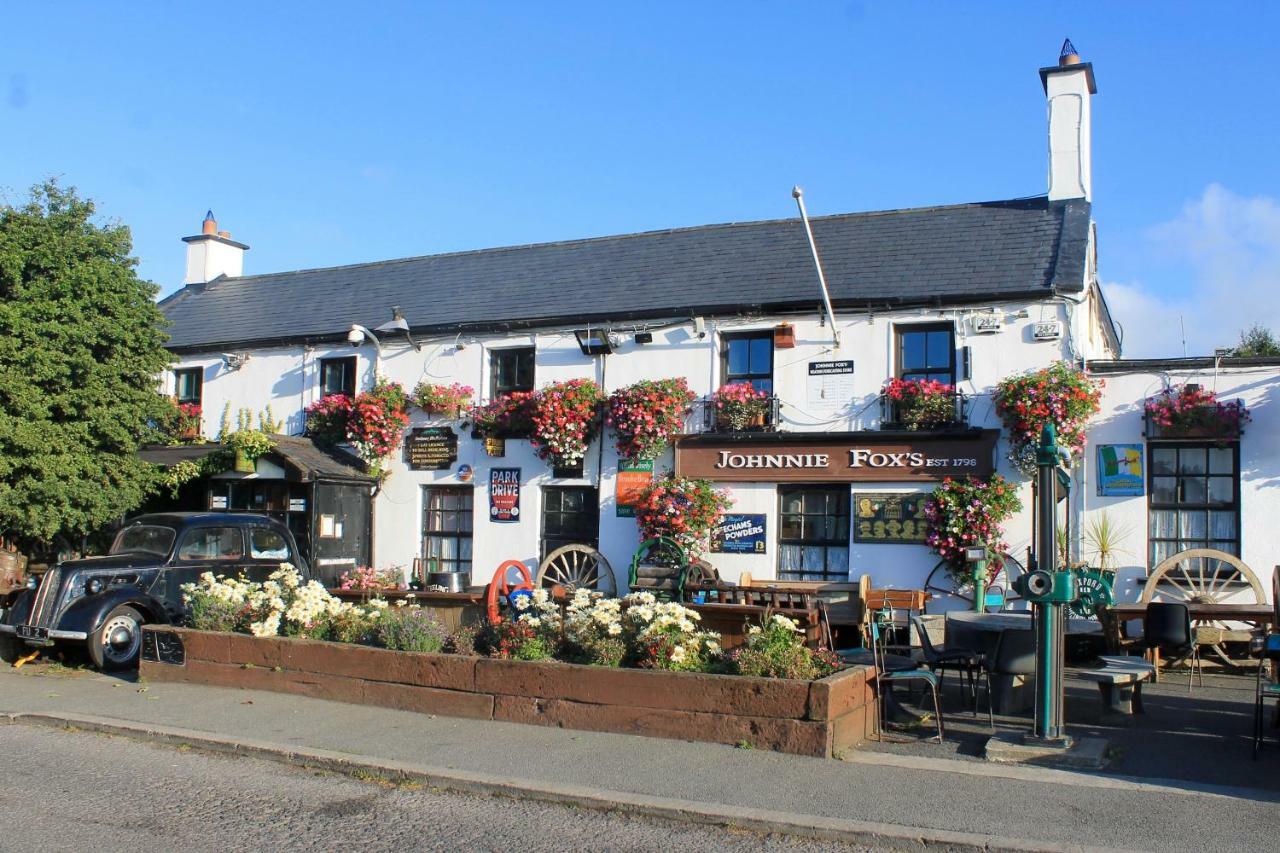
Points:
[145,538]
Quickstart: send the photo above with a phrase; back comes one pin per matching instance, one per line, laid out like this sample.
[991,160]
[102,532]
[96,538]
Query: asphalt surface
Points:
[63,791]
[913,792]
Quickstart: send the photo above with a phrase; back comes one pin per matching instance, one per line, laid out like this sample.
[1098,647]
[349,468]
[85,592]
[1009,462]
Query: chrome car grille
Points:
[43,610]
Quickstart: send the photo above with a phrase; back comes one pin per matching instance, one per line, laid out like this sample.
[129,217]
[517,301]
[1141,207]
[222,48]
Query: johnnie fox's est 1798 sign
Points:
[847,458]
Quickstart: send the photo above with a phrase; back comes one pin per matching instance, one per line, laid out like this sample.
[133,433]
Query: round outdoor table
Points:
[979,631]
[891,663]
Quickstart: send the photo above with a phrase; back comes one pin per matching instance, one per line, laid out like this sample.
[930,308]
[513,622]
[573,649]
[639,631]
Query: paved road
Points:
[64,791]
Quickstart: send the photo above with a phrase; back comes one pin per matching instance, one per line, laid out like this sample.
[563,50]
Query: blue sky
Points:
[324,134]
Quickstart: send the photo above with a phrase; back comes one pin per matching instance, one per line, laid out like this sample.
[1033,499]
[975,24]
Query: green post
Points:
[1048,614]
[980,586]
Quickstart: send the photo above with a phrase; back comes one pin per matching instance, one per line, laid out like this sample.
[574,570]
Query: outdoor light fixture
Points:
[644,337]
[700,327]
[359,334]
[235,360]
[399,324]
[595,341]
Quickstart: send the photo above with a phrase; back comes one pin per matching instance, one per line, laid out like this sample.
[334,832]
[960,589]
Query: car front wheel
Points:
[116,643]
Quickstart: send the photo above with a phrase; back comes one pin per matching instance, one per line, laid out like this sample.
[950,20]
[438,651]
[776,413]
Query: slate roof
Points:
[308,459]
[954,254]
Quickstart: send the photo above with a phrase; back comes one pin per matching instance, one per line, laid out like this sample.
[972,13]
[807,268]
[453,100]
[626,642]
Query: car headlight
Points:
[93,586]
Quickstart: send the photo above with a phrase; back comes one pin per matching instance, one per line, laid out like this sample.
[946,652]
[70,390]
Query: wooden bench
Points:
[1120,683]
[842,603]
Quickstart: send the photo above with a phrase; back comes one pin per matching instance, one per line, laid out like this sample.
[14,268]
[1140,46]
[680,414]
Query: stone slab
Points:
[1085,753]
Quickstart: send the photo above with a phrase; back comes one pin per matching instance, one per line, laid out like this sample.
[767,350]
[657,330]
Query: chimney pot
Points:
[210,225]
[1068,55]
[225,235]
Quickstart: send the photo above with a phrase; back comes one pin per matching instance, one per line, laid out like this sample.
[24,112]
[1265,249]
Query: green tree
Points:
[1257,341]
[81,346]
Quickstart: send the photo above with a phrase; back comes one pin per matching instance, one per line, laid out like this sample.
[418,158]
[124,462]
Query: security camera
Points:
[234,360]
[355,337]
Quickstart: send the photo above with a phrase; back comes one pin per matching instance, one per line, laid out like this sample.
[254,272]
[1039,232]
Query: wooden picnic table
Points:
[1262,614]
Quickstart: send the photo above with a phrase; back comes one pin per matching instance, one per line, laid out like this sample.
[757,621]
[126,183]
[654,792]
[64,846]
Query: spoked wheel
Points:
[947,593]
[701,573]
[578,567]
[116,643]
[1206,576]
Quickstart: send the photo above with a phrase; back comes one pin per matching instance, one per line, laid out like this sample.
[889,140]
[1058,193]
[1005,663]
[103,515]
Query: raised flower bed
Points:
[817,718]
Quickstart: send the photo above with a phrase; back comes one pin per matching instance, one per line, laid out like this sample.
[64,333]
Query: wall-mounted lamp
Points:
[234,360]
[643,337]
[398,324]
[700,327]
[596,341]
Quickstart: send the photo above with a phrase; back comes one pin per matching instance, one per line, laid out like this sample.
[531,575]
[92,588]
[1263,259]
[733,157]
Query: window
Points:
[748,358]
[188,385]
[927,352]
[338,376]
[510,370]
[1193,499]
[570,515]
[446,528]
[813,533]
[212,543]
[267,544]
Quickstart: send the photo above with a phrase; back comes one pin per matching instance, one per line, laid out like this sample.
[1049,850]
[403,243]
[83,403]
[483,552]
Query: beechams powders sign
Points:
[504,494]
[739,533]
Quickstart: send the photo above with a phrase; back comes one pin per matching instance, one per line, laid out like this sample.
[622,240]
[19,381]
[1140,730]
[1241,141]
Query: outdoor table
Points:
[1259,614]
[978,632]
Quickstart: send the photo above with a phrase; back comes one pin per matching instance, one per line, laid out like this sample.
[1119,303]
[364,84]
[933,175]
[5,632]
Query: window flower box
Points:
[1190,411]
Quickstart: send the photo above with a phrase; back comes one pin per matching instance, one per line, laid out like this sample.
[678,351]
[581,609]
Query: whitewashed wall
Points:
[287,379]
[1120,422]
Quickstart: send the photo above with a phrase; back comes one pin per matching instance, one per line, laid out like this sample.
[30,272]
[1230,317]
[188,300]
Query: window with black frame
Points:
[446,527]
[813,533]
[748,357]
[338,376]
[188,385]
[927,351]
[1193,500]
[510,370]
[570,516]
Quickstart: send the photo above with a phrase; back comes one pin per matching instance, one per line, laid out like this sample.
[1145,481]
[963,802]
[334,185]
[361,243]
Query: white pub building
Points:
[828,488]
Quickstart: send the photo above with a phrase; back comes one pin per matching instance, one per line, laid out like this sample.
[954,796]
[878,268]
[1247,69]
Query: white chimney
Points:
[213,253]
[1069,85]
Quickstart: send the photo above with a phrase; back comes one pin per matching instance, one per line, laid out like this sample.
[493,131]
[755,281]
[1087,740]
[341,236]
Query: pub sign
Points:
[431,449]
[889,517]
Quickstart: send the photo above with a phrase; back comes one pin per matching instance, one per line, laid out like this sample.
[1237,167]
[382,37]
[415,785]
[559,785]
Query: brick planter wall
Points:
[806,718]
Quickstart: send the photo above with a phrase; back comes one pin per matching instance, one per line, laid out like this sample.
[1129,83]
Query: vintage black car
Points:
[103,602]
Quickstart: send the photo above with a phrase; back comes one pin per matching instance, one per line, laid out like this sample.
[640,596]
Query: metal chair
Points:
[965,661]
[1011,653]
[1166,626]
[889,678]
[1266,688]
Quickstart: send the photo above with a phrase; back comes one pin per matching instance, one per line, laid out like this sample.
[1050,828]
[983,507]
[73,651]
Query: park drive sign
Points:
[838,457]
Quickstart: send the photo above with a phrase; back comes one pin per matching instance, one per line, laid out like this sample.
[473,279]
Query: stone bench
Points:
[1120,683]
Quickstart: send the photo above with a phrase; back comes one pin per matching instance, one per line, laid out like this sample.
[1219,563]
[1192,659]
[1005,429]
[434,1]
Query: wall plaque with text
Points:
[431,449]
[887,517]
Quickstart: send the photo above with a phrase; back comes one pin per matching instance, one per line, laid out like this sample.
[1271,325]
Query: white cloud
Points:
[1232,245]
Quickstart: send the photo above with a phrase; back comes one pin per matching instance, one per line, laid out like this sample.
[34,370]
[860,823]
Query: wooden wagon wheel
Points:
[1202,576]
[577,567]
[947,592]
[701,573]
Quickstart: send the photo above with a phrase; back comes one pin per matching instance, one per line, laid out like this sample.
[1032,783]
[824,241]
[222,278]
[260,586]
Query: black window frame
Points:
[349,383]
[192,532]
[553,506]
[197,373]
[841,491]
[464,527]
[508,367]
[929,371]
[753,377]
[1180,505]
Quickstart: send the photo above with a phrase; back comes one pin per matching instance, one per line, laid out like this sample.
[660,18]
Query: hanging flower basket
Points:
[681,509]
[506,416]
[1190,411]
[1059,394]
[372,422]
[963,513]
[566,417]
[647,415]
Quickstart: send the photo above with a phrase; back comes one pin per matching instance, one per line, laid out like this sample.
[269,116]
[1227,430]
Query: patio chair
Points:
[1166,626]
[1012,653]
[888,679]
[965,661]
